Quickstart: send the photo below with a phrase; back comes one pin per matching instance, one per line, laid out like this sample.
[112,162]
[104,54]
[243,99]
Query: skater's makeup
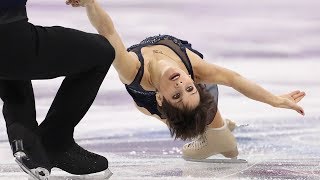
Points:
[178,89]
[185,122]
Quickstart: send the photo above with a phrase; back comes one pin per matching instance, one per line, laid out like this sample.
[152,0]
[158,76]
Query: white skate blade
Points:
[34,173]
[104,175]
[242,126]
[108,173]
[231,161]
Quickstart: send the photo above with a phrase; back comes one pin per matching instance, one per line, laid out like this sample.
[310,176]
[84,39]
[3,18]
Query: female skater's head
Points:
[178,89]
[186,122]
[181,101]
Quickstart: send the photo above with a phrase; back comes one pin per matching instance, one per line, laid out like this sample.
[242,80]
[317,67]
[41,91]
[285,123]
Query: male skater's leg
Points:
[71,103]
[37,52]
[85,60]
[20,116]
[18,103]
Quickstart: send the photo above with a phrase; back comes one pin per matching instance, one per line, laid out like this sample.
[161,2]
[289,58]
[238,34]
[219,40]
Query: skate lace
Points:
[199,143]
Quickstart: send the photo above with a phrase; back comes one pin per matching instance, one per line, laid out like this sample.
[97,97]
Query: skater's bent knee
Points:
[107,50]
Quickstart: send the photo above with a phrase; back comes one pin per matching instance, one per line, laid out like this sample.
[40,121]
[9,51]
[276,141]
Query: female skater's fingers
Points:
[75,3]
[292,105]
[297,108]
[294,92]
[298,95]
[300,111]
[299,98]
[289,103]
[293,95]
[70,2]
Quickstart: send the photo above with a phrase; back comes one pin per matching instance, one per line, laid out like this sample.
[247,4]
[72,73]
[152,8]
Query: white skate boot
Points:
[213,141]
[231,124]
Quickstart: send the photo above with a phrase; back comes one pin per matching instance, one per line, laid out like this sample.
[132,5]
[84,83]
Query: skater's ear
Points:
[159,98]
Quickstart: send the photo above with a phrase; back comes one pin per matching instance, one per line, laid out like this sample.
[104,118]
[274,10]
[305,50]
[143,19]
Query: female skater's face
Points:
[178,89]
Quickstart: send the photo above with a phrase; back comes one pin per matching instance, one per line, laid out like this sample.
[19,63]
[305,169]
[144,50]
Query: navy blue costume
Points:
[12,3]
[12,11]
[147,99]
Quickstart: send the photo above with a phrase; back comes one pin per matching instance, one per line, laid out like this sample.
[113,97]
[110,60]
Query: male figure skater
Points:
[30,52]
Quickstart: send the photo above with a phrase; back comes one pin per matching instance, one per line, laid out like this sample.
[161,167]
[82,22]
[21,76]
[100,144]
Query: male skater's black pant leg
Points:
[37,52]
[85,60]
[18,105]
[71,103]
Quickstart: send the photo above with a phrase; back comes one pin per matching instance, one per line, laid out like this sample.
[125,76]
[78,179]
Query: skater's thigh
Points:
[67,51]
[36,52]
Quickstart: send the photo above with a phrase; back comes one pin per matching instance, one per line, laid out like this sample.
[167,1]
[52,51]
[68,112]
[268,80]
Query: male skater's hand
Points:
[78,3]
[290,101]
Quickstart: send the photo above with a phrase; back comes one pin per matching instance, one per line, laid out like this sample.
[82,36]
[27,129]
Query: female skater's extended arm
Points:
[210,73]
[126,66]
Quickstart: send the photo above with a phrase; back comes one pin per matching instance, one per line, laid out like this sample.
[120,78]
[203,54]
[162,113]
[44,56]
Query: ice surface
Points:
[274,43]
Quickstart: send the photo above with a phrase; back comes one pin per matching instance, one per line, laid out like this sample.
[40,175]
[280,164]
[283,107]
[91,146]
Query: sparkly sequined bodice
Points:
[147,99]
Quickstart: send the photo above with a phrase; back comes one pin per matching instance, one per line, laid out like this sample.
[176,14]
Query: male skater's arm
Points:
[126,65]
[210,73]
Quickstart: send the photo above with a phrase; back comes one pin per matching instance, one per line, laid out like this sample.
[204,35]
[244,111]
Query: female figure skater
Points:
[165,77]
[35,52]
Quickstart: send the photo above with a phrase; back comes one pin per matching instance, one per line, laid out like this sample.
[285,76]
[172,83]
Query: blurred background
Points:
[274,43]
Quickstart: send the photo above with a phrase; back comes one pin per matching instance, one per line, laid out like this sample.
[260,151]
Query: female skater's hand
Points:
[78,3]
[290,101]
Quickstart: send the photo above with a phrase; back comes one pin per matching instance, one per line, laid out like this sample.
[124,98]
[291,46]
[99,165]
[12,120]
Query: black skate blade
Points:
[221,161]
[35,175]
